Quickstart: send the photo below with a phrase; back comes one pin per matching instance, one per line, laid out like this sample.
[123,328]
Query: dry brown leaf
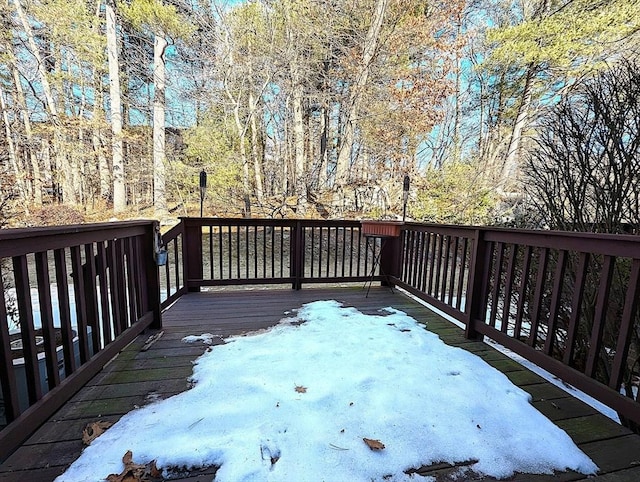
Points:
[93,430]
[373,444]
[127,460]
[301,389]
[136,472]
[154,471]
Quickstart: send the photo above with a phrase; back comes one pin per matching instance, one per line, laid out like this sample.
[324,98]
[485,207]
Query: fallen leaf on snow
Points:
[373,444]
[136,472]
[301,389]
[93,430]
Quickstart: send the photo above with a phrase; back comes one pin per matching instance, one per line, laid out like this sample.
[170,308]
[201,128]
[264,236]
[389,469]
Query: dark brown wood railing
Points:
[224,252]
[566,301]
[70,299]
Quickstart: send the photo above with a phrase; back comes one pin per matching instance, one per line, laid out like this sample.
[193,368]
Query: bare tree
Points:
[584,173]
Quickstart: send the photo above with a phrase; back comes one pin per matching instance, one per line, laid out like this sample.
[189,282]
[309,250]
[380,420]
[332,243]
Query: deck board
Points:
[135,378]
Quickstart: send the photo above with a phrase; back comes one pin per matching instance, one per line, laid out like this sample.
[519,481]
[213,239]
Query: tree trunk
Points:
[257,165]
[159,153]
[11,149]
[298,136]
[97,141]
[285,155]
[512,162]
[33,159]
[244,158]
[355,93]
[119,192]
[324,147]
[61,161]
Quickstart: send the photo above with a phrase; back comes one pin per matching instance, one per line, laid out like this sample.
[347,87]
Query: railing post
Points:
[475,305]
[297,255]
[151,274]
[192,254]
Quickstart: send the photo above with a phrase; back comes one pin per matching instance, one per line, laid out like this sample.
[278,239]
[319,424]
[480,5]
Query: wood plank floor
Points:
[135,378]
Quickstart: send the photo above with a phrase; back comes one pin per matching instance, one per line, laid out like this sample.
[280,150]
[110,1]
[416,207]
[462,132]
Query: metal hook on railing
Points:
[159,249]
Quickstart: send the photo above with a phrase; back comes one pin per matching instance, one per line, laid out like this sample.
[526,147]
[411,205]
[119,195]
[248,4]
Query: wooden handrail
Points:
[87,290]
[566,301]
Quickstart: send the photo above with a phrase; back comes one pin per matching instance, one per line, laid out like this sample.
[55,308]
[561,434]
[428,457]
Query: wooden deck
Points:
[137,377]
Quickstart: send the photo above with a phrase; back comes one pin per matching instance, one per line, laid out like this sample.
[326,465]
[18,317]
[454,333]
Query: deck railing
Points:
[70,299]
[566,301]
[222,252]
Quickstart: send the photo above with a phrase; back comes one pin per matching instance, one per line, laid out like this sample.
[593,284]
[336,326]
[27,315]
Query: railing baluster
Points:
[123,284]
[320,251]
[103,282]
[65,311]
[230,240]
[464,268]
[438,264]
[359,252]
[81,310]
[626,326]
[137,253]
[445,271]
[556,297]
[221,252]
[91,295]
[454,266]
[327,265]
[264,251]
[351,250]
[116,293]
[417,254]
[424,261]
[432,285]
[508,288]
[273,251]
[497,284]
[538,295]
[131,280]
[595,345]
[238,251]
[522,291]
[167,276]
[46,319]
[336,251]
[211,258]
[282,251]
[255,251]
[25,311]
[411,257]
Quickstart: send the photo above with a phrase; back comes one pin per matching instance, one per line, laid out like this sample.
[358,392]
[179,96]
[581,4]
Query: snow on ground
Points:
[295,403]
[206,338]
[570,389]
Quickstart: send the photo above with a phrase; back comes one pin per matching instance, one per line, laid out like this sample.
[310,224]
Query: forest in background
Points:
[521,112]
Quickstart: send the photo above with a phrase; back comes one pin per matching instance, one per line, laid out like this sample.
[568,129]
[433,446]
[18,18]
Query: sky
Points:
[296,402]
